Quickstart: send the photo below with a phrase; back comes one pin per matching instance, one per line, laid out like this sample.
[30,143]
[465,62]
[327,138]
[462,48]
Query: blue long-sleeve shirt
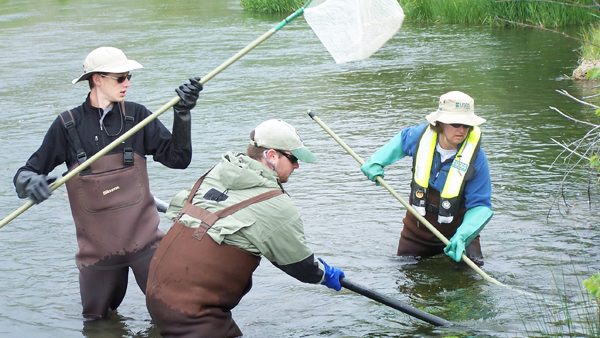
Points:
[477,189]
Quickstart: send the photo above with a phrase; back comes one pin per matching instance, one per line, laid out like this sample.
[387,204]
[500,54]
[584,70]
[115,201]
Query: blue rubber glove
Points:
[331,277]
[475,219]
[386,155]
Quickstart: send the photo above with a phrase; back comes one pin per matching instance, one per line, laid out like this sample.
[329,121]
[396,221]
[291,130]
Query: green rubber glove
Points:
[386,155]
[473,222]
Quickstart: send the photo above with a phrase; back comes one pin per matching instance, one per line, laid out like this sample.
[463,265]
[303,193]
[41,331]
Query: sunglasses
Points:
[458,125]
[293,159]
[119,79]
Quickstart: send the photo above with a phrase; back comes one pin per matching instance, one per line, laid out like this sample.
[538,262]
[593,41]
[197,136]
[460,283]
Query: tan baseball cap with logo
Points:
[106,60]
[277,134]
[455,107]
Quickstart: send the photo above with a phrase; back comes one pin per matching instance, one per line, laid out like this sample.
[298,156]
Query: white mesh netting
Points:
[353,30]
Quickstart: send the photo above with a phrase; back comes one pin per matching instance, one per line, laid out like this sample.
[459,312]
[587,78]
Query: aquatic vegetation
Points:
[572,315]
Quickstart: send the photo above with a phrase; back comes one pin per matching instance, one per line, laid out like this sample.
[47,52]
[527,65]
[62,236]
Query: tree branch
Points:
[565,93]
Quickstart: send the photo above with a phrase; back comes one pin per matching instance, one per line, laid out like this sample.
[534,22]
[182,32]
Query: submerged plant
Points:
[572,316]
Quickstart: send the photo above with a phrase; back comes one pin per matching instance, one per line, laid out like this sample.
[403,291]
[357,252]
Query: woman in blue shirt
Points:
[451,184]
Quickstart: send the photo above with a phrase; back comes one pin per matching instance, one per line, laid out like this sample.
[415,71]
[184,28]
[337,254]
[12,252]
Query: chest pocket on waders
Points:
[110,189]
[113,181]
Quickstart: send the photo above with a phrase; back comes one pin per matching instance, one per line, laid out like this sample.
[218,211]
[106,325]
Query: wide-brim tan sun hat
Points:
[455,107]
[106,60]
[280,135]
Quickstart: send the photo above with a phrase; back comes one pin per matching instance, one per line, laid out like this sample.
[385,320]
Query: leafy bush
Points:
[592,284]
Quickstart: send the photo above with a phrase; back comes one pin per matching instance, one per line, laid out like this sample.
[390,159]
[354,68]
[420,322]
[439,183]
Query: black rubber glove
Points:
[188,93]
[34,186]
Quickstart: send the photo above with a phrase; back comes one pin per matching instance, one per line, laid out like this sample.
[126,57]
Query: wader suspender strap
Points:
[69,123]
[210,218]
[128,148]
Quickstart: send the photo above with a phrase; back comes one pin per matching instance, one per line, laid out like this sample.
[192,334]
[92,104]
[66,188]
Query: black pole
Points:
[396,304]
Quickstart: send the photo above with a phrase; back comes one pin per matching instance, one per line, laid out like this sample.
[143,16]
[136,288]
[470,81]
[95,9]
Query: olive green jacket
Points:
[271,228]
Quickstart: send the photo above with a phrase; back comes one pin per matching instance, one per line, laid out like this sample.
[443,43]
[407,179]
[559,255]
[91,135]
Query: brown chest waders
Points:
[114,212]
[115,219]
[417,240]
[194,282]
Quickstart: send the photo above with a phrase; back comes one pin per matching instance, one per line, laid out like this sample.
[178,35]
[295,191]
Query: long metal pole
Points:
[396,304]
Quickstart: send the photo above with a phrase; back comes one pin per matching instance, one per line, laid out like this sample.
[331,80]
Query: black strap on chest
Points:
[128,148]
[69,123]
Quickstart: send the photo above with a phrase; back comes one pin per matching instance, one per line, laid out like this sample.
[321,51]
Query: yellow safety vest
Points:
[450,195]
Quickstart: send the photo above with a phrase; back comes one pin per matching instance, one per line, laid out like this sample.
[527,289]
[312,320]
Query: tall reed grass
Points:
[590,49]
[574,314]
[541,13]
[450,11]
[272,6]
[546,13]
[551,14]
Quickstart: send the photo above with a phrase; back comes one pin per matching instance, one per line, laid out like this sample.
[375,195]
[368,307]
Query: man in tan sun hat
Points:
[106,60]
[451,184]
[234,214]
[115,216]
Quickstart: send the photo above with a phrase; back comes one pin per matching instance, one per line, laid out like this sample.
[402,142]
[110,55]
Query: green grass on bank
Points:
[271,6]
[451,11]
[551,14]
[590,49]
[498,12]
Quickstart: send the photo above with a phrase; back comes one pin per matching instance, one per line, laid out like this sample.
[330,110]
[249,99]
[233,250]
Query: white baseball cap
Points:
[277,134]
[106,60]
[455,107]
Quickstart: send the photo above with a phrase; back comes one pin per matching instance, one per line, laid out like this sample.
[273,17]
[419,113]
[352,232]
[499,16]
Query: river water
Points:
[542,239]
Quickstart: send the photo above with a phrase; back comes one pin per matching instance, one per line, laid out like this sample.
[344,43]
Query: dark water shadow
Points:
[115,326]
[449,290]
